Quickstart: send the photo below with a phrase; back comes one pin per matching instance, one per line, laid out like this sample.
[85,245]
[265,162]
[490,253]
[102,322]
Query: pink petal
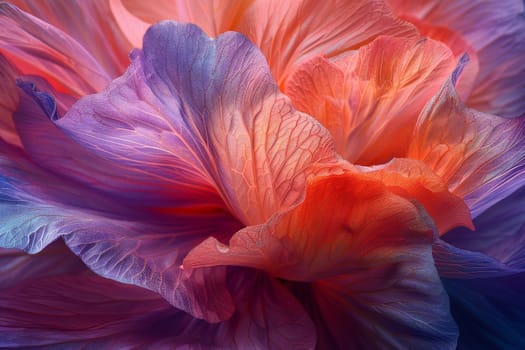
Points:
[286,32]
[499,45]
[91,24]
[53,54]
[8,102]
[370,100]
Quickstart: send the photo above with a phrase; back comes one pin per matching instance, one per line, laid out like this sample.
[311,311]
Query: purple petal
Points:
[89,311]
[391,306]
[17,266]
[204,116]
[500,232]
[499,44]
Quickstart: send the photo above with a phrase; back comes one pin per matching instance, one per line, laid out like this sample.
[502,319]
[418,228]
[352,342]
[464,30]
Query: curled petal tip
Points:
[44,100]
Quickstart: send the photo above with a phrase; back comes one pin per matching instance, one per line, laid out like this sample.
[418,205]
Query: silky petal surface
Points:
[36,209]
[415,181]
[36,47]
[184,163]
[396,307]
[79,312]
[200,113]
[367,261]
[91,24]
[499,45]
[480,156]
[370,100]
[500,232]
[214,17]
[137,245]
[286,32]
[17,266]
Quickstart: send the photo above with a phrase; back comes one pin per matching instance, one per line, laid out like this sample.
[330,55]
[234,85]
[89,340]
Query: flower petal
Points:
[386,307]
[75,311]
[479,156]
[8,102]
[413,180]
[370,100]
[91,24]
[286,40]
[115,237]
[17,266]
[312,241]
[369,262]
[197,113]
[453,262]
[88,311]
[499,45]
[214,17]
[51,53]
[500,233]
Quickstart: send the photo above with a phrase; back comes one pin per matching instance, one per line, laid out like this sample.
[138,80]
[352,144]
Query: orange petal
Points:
[287,32]
[414,180]
[370,100]
[346,221]
[479,156]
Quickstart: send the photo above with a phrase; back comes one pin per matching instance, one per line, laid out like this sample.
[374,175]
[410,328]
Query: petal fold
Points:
[499,44]
[370,100]
[479,156]
[286,32]
[207,116]
[368,263]
[52,54]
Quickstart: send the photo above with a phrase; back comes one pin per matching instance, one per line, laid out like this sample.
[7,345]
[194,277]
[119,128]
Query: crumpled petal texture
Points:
[331,175]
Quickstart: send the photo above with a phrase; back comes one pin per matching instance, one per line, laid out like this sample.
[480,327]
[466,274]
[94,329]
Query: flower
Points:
[304,181]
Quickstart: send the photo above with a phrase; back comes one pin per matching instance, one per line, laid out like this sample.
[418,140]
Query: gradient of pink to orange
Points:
[261,174]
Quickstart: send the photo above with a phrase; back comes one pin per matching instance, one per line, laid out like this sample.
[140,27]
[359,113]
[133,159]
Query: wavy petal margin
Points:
[368,264]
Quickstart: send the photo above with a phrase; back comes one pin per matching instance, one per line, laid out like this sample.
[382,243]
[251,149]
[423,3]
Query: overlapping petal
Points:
[91,24]
[499,45]
[78,312]
[362,260]
[38,48]
[480,156]
[180,179]
[286,31]
[370,100]
[200,113]
[500,233]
